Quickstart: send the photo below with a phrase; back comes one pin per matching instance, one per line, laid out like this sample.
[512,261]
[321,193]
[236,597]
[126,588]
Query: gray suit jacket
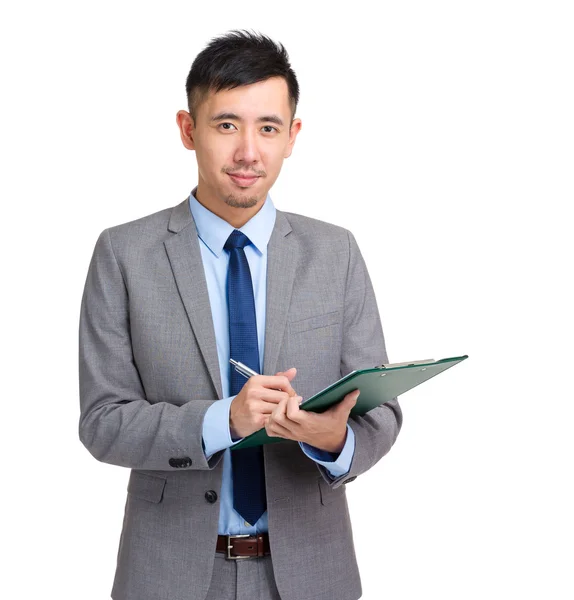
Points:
[149,370]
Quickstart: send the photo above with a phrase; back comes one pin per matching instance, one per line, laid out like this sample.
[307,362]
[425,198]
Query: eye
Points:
[268,128]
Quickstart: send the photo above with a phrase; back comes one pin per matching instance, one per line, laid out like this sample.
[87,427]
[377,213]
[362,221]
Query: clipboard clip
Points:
[408,363]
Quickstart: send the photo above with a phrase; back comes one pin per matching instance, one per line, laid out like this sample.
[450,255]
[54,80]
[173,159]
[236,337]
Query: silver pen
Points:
[246,371]
[243,369]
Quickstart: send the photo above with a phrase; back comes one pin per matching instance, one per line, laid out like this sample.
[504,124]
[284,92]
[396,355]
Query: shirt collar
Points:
[214,230]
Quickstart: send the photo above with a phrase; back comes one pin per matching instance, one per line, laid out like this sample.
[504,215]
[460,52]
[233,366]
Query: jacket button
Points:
[350,479]
[211,496]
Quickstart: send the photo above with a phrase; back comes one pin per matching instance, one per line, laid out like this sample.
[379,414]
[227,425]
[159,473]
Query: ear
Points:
[186,129]
[295,128]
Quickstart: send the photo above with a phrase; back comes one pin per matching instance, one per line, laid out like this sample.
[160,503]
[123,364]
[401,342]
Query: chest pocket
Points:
[316,322]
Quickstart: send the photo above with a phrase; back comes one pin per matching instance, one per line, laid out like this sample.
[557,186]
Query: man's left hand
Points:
[325,431]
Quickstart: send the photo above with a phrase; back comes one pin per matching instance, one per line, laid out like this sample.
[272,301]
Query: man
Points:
[170,298]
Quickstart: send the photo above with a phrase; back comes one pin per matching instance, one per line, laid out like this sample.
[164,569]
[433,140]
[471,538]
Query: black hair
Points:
[238,58]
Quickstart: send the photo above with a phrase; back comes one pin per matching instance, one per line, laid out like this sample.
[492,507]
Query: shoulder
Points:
[316,230]
[149,231]
[150,225]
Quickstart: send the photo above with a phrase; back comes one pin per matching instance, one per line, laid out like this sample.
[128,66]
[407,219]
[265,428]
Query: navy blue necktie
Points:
[249,498]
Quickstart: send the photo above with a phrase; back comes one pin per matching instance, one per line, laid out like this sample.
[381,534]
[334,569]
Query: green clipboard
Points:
[378,385]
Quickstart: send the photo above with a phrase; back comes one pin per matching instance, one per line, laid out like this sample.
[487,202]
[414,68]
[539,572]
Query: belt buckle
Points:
[229,546]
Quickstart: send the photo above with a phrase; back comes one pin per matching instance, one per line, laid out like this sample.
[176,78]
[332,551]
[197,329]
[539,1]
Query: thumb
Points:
[350,400]
[289,373]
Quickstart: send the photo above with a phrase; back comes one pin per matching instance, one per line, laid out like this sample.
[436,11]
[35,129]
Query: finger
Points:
[346,404]
[274,396]
[267,408]
[277,430]
[289,373]
[293,412]
[277,417]
[276,382]
[271,404]
[279,421]
[279,412]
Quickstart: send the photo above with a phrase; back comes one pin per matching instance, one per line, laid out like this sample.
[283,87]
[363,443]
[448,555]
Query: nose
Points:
[247,151]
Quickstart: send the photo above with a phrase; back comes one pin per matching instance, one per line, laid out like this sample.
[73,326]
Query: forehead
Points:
[250,101]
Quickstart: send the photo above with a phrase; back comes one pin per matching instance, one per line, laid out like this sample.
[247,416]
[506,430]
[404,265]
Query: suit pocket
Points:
[324,320]
[146,487]
[328,494]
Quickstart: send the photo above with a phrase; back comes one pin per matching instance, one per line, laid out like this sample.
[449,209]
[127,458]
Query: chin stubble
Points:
[236,202]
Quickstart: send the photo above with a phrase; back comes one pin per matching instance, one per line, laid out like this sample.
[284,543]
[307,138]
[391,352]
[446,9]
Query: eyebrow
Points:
[264,119]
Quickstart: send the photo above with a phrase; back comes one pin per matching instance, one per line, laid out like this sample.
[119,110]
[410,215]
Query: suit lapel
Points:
[185,258]
[187,266]
[282,254]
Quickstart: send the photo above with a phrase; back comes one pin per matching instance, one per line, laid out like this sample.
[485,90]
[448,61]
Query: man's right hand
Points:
[257,400]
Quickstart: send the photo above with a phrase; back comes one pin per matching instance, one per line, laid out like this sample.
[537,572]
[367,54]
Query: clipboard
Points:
[378,386]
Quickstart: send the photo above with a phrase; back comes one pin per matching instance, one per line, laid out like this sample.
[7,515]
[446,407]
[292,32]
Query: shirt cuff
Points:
[216,435]
[337,465]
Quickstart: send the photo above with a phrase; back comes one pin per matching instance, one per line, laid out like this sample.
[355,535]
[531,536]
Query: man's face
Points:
[241,138]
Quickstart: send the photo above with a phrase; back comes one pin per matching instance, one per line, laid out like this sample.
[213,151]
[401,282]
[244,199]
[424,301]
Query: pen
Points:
[246,371]
[243,369]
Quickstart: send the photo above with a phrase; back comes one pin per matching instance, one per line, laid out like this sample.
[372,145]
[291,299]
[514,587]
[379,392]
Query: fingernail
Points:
[300,398]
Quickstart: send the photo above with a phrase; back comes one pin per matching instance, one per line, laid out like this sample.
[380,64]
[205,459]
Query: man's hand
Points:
[326,431]
[257,399]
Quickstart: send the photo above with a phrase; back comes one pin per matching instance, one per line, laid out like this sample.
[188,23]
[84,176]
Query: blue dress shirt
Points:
[213,233]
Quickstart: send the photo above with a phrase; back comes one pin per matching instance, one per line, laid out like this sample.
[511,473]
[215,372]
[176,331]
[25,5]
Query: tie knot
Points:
[237,239]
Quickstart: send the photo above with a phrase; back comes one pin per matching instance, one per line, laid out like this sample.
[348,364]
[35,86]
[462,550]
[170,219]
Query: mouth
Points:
[243,181]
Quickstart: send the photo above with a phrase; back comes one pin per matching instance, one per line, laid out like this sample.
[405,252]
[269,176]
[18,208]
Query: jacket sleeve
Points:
[337,463]
[364,347]
[117,424]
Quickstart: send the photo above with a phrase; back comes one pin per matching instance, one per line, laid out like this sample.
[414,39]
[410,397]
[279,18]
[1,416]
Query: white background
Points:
[441,134]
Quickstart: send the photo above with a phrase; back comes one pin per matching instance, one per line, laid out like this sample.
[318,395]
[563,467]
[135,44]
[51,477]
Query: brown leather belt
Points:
[243,545]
